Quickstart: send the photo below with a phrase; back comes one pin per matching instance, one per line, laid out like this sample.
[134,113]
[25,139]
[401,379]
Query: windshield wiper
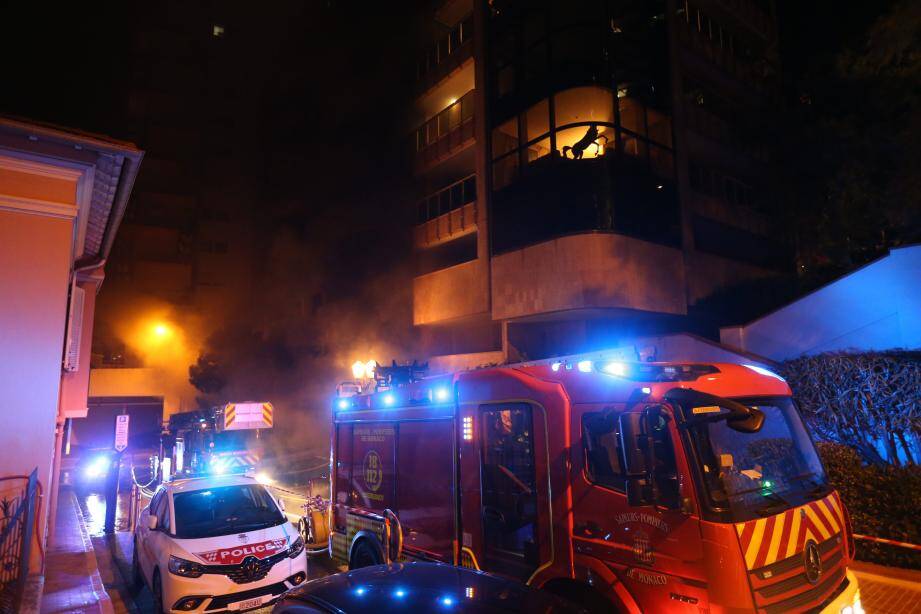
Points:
[818,488]
[778,504]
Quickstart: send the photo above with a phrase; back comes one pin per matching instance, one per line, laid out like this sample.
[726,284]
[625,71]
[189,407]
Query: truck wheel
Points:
[364,555]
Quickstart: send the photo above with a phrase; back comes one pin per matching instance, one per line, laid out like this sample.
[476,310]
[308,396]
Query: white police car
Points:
[214,544]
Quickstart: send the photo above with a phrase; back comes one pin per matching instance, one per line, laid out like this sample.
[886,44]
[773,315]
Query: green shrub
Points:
[883,501]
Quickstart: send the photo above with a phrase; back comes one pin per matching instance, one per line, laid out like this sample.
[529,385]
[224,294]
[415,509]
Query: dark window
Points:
[602,449]
[163,518]
[509,496]
[457,251]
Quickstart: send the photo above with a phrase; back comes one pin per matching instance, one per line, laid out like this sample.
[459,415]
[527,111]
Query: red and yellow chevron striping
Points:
[768,540]
[267,411]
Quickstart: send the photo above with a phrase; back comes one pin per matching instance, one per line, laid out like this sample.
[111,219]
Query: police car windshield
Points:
[224,510]
[751,475]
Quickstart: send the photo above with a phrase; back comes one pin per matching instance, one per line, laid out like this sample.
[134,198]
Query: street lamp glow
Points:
[160,330]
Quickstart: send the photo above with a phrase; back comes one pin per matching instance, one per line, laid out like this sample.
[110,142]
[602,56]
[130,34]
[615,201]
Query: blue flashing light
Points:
[343,403]
[399,593]
[615,368]
[441,394]
[763,371]
[389,399]
[361,590]
[585,366]
[447,601]
[98,468]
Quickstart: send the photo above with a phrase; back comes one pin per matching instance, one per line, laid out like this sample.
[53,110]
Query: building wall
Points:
[35,256]
[75,385]
[585,272]
[177,395]
[453,293]
[877,307]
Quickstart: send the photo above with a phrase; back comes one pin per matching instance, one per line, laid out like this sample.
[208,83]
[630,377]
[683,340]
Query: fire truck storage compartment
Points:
[423,497]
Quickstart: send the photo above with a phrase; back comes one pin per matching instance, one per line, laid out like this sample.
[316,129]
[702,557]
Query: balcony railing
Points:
[444,133]
[447,199]
[445,49]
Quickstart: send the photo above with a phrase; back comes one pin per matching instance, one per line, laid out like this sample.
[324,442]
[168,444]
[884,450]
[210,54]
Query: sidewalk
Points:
[888,590]
[72,580]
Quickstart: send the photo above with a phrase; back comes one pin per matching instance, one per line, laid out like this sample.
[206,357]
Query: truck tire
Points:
[364,555]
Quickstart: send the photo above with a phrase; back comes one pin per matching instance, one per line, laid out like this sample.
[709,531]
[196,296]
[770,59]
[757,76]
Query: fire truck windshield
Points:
[752,475]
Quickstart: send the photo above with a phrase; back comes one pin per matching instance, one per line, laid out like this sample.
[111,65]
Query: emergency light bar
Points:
[641,372]
[658,373]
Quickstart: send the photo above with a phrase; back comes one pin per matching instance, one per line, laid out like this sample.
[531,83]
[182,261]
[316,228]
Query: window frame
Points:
[589,474]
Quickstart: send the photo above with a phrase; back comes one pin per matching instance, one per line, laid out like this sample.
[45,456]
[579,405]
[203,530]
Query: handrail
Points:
[888,542]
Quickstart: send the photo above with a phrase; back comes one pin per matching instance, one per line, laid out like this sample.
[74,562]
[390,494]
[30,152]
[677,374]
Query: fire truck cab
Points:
[622,486]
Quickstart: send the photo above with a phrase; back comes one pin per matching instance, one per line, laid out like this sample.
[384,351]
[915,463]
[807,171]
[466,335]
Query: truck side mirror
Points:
[152,523]
[637,459]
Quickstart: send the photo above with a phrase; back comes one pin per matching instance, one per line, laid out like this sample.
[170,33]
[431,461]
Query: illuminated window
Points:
[217,31]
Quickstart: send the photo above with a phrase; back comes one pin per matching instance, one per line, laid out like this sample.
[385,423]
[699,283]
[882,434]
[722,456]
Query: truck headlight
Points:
[184,568]
[296,548]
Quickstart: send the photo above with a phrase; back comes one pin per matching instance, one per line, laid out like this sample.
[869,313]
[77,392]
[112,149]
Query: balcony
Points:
[445,134]
[446,56]
[447,214]
[588,272]
[741,65]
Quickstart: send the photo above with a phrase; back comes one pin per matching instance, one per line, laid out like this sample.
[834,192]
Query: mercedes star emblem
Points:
[812,562]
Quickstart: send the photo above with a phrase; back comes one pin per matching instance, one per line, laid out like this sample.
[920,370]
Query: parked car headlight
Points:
[182,567]
[296,547]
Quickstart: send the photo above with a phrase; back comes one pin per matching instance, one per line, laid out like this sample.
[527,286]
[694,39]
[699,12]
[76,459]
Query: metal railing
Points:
[17,506]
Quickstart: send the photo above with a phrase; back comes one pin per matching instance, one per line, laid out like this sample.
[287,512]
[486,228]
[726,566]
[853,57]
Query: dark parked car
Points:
[418,588]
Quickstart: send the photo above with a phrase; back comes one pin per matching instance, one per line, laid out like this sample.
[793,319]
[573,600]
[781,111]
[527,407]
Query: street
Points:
[884,590]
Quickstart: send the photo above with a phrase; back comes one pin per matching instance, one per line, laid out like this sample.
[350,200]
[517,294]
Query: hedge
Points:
[883,501]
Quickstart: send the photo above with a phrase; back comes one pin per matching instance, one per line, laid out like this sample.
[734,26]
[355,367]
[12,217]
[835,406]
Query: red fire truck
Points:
[623,486]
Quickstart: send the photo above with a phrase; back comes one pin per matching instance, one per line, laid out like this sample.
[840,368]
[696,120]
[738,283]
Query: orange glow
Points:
[161,330]
[363,370]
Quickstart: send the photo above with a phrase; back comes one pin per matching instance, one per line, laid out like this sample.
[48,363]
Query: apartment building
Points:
[588,171]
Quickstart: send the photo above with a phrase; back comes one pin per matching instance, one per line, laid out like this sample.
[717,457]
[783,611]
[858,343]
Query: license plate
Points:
[247,604]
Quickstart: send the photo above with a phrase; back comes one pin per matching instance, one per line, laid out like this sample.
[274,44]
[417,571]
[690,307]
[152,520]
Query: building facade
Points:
[62,198]
[588,171]
[186,245]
